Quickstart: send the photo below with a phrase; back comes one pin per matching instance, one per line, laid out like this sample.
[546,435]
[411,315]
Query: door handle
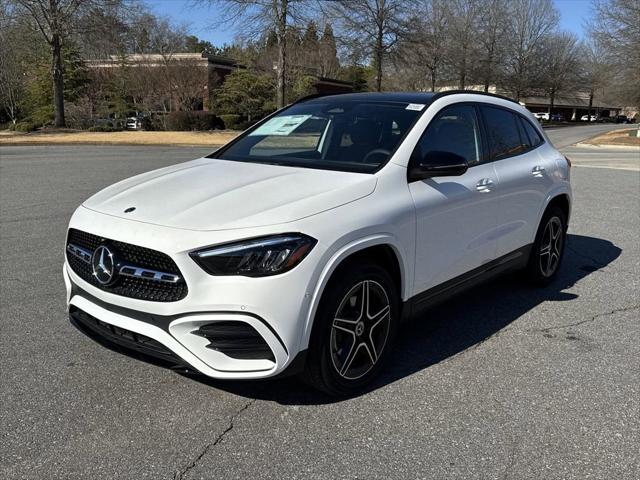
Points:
[485,185]
[537,171]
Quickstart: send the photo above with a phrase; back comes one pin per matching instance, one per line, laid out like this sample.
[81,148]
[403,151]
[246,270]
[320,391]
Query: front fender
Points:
[337,255]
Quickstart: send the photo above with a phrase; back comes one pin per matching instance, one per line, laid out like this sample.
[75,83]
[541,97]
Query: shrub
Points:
[25,127]
[152,123]
[103,128]
[231,121]
[78,114]
[193,120]
[179,121]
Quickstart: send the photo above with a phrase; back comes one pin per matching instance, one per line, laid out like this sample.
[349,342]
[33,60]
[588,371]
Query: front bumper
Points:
[172,337]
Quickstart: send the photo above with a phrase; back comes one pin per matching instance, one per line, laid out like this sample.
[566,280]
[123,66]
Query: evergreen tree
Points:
[310,37]
[39,96]
[194,45]
[309,54]
[328,53]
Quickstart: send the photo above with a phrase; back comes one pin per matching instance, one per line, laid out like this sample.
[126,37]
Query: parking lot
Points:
[504,382]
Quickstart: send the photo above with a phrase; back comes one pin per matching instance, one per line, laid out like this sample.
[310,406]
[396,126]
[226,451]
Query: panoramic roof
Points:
[400,97]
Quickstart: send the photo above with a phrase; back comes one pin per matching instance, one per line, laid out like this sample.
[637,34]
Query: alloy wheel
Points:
[551,247]
[360,329]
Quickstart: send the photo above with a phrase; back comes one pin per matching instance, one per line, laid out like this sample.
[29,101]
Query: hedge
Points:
[25,127]
[198,120]
[231,121]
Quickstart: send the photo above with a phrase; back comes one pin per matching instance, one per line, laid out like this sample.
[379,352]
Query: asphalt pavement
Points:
[505,382]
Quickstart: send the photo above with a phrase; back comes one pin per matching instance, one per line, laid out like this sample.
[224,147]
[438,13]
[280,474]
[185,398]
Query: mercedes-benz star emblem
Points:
[103,265]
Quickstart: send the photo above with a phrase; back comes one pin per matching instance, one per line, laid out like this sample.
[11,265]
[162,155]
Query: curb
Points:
[629,148]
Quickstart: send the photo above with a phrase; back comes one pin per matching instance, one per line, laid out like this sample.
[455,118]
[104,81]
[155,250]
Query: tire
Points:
[548,248]
[340,360]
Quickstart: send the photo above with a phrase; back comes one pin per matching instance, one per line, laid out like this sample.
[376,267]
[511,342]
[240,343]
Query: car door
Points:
[523,173]
[456,216]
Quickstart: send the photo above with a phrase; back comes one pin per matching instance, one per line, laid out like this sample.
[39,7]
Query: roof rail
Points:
[472,92]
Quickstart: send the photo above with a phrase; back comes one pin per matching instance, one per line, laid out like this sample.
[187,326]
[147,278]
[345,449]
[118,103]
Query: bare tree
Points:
[491,36]
[186,81]
[12,77]
[372,26]
[562,62]
[530,22]
[616,30]
[54,19]
[596,70]
[263,16]
[462,45]
[427,34]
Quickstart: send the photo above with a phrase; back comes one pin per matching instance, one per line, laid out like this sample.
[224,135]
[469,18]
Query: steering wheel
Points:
[377,151]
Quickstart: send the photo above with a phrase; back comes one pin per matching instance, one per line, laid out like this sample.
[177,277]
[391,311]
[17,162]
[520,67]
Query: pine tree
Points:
[329,65]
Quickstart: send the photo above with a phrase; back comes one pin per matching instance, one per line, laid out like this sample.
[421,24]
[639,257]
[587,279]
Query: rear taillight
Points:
[568,161]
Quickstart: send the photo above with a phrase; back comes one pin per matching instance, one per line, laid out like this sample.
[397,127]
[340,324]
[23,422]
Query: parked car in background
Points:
[541,115]
[557,117]
[622,119]
[133,123]
[588,118]
[303,243]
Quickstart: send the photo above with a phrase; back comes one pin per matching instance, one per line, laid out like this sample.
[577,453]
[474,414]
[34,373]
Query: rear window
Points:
[532,136]
[503,132]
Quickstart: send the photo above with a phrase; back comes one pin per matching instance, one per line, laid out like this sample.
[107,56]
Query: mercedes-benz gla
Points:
[301,245]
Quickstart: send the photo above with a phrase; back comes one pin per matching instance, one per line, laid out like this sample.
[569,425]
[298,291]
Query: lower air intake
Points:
[236,339]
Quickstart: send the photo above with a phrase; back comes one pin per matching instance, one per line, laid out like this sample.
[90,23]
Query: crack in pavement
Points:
[589,320]
[179,474]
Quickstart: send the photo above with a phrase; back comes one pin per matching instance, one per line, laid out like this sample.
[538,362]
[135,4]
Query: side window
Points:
[503,132]
[454,129]
[531,133]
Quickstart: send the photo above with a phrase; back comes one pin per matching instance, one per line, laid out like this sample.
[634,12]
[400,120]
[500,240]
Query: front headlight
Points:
[257,257]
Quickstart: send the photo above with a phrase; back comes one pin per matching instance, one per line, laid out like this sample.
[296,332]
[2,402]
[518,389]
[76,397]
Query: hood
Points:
[213,194]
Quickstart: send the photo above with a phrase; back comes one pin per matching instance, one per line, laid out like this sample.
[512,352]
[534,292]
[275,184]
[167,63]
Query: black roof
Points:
[400,97]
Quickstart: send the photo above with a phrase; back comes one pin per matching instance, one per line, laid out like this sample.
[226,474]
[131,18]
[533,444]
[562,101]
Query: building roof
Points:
[147,59]
[574,101]
[221,60]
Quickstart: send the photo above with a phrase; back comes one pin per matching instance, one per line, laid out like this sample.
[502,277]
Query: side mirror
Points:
[436,164]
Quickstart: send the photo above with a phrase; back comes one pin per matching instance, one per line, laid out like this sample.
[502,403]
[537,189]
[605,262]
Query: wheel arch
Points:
[562,201]
[559,197]
[381,249]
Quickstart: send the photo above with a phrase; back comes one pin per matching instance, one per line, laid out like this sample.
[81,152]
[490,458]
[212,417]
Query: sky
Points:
[204,21]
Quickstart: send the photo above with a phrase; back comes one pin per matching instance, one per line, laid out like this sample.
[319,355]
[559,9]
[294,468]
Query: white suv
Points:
[301,245]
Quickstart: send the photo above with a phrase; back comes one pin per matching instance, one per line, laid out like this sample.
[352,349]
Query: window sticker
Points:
[415,106]
[282,125]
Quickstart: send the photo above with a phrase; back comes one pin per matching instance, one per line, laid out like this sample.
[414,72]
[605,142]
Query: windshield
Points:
[352,136]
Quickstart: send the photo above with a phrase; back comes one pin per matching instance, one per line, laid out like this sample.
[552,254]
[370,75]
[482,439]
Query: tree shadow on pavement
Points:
[451,327]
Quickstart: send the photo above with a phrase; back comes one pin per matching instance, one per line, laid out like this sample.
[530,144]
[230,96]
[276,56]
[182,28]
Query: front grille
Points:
[122,337]
[140,287]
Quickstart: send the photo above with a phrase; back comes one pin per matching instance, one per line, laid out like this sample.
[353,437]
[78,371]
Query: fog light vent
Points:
[236,340]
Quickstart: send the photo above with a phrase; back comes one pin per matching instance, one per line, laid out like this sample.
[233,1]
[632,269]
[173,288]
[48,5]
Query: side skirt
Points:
[515,260]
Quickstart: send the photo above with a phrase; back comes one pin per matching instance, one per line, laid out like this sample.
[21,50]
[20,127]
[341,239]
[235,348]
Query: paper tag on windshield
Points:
[282,126]
[415,106]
